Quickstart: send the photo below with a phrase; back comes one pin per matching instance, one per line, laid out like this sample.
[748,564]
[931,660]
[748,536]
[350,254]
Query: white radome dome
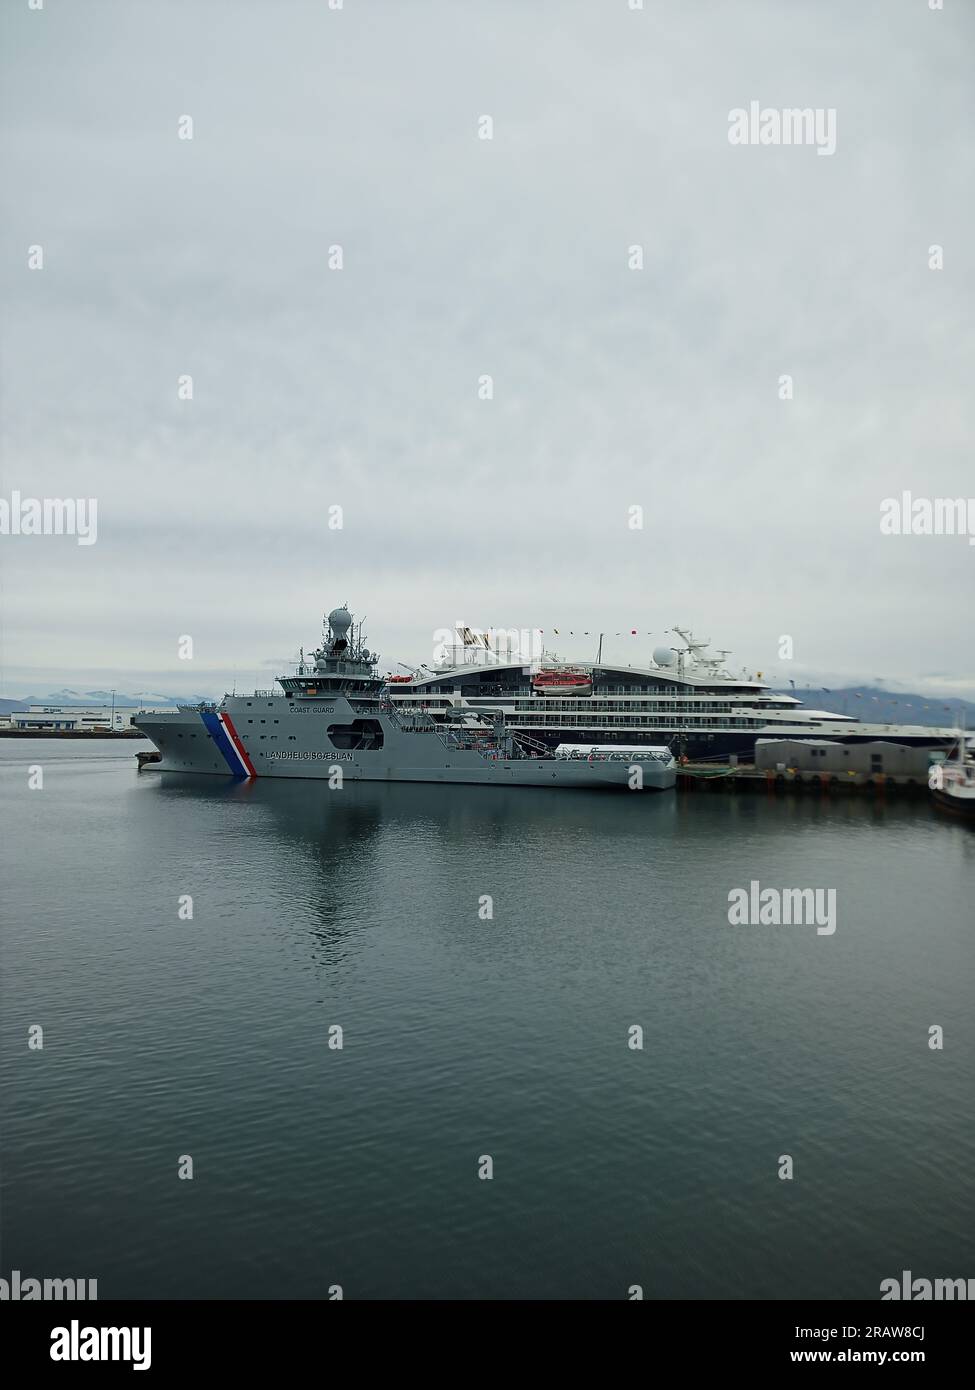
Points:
[340,620]
[663,656]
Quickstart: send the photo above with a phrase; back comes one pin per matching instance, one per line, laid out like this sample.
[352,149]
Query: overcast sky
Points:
[358,387]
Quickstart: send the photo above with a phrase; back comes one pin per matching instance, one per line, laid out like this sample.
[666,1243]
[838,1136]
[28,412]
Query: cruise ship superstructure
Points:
[686,698]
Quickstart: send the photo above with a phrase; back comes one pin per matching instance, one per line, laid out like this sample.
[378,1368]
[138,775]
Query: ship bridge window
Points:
[364,734]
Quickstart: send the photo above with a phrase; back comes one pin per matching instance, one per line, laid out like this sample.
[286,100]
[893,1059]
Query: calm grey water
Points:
[465,1037]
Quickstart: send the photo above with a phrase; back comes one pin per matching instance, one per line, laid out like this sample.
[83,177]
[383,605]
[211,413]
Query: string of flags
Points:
[471,638]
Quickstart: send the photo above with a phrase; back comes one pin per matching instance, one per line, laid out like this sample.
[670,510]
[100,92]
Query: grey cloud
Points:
[462,258]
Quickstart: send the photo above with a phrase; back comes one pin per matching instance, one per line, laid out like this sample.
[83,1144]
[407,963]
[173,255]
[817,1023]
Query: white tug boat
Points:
[952,782]
[333,719]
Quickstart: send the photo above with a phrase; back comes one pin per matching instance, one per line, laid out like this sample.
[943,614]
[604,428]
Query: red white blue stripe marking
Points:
[221,729]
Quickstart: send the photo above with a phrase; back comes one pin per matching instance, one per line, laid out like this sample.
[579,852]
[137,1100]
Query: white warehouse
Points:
[77,718]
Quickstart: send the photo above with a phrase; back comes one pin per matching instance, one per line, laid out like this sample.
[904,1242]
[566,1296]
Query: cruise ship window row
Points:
[600,694]
[582,715]
[633,706]
[710,705]
[654,722]
[608,710]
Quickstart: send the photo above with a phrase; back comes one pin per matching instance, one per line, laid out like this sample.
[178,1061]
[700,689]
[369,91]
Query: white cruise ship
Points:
[686,698]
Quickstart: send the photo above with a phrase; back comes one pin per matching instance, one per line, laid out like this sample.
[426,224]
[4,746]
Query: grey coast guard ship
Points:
[334,714]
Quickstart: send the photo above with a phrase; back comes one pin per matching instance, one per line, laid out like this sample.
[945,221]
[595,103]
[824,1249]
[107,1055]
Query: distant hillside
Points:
[876,706]
[97,698]
[7,705]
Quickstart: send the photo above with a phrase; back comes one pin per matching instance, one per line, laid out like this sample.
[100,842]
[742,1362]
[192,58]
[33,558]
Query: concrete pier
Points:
[746,777]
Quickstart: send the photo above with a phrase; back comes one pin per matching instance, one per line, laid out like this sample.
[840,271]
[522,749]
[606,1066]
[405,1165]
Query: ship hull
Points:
[274,736]
[956,804]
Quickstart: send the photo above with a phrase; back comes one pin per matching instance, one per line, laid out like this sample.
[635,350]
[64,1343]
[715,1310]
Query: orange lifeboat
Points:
[562,681]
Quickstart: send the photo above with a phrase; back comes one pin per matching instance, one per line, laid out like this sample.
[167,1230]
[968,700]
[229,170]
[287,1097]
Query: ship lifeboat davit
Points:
[564,681]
